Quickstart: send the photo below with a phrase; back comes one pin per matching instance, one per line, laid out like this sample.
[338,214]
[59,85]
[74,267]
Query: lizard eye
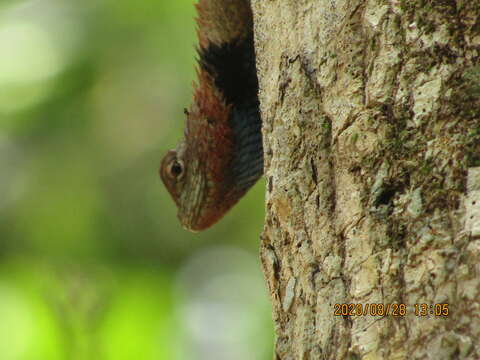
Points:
[175,169]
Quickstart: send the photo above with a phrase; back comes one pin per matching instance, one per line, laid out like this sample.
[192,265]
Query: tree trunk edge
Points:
[371,124]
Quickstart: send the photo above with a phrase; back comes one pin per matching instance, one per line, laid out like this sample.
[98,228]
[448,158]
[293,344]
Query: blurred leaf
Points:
[140,323]
[28,330]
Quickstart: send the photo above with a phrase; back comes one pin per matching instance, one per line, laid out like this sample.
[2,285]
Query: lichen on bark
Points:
[371,123]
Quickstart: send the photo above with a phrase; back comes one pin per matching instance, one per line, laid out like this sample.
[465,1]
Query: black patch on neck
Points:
[233,68]
[232,65]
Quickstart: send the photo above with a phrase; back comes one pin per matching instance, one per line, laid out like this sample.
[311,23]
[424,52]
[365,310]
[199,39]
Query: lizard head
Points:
[194,193]
[186,187]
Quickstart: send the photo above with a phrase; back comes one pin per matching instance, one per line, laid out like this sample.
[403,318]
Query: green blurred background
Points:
[93,262]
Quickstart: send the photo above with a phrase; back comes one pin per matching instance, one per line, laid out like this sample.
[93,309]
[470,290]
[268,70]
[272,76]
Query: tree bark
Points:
[371,125]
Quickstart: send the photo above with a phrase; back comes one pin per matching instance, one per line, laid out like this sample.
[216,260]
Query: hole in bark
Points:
[385,196]
[456,353]
[314,171]
[270,184]
[353,355]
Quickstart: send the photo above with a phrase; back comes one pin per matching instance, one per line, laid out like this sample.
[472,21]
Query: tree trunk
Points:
[371,124]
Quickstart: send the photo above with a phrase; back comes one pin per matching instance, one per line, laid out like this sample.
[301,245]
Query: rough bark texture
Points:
[371,124]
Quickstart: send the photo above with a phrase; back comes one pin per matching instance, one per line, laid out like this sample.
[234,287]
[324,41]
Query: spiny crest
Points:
[208,123]
[208,100]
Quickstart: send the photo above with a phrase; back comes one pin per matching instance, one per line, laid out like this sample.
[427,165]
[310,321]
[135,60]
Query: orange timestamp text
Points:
[394,309]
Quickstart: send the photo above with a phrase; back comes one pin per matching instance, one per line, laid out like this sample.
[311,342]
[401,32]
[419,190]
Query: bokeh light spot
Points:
[29,59]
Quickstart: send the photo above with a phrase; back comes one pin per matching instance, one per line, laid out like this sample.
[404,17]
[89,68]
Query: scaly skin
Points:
[221,154]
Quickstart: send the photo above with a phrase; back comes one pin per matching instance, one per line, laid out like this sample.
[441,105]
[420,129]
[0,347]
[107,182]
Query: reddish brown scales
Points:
[223,21]
[205,174]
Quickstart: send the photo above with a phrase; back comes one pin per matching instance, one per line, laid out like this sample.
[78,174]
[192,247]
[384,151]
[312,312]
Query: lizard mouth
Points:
[192,203]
